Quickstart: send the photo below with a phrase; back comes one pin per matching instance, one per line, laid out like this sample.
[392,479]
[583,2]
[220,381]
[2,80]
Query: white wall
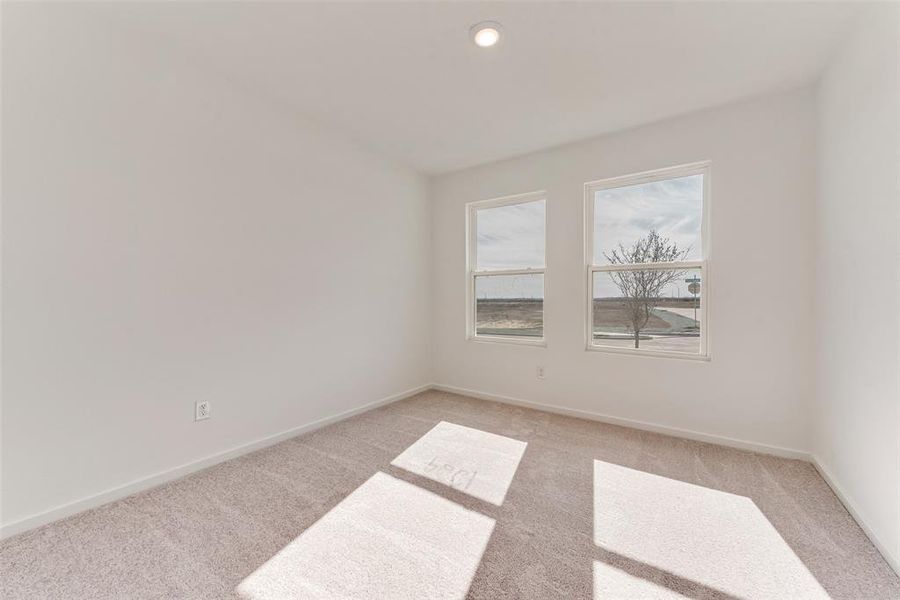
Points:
[857,416]
[169,238]
[757,386]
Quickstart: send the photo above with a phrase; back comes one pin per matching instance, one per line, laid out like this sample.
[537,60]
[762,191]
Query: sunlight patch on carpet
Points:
[388,540]
[475,462]
[690,535]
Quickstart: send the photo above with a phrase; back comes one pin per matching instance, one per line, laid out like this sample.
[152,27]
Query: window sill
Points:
[515,341]
[650,353]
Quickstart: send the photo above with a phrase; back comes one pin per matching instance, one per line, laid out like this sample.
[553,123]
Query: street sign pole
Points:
[694,288]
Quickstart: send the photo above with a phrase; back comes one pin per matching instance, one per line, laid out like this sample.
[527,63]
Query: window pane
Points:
[626,215]
[662,305]
[510,305]
[510,237]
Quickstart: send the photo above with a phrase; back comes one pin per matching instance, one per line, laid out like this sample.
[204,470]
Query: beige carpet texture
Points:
[445,496]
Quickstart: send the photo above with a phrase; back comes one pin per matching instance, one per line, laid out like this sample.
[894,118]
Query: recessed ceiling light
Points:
[486,33]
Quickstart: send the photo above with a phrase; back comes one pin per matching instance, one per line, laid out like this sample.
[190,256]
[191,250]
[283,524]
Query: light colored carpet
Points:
[388,539]
[564,508]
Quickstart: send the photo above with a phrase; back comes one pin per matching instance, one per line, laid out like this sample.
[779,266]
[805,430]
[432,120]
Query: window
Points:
[646,253]
[506,275]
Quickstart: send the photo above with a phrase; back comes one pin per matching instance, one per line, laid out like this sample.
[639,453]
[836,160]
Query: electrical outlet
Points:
[540,372]
[202,410]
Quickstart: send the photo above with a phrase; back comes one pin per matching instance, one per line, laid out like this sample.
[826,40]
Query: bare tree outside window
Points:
[645,257]
[642,289]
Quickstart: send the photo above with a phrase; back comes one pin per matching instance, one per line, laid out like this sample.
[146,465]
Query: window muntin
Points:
[646,263]
[506,268]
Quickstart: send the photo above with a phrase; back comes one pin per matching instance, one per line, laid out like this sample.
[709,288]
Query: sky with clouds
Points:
[512,237]
[626,214]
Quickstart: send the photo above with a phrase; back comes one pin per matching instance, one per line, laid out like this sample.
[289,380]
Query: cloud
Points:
[672,207]
[511,237]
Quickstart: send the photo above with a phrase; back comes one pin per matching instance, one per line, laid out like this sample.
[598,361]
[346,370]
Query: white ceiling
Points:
[405,79]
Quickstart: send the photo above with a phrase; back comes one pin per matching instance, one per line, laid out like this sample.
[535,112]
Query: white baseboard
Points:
[634,424]
[66,510]
[892,559]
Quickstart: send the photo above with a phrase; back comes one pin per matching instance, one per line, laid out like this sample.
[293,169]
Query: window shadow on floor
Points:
[618,576]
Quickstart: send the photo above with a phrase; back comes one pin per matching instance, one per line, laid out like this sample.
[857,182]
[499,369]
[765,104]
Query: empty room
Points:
[450,300]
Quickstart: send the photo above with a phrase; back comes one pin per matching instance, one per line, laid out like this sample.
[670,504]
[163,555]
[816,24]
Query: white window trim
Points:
[698,168]
[472,209]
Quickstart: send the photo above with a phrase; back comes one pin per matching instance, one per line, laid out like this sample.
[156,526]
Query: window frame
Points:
[703,264]
[472,272]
